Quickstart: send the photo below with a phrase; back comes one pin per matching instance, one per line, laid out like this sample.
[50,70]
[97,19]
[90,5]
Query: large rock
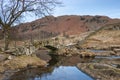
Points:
[116,49]
[66,51]
[1,49]
[44,55]
[3,57]
[87,53]
[22,62]
[29,50]
[22,50]
[100,71]
[10,51]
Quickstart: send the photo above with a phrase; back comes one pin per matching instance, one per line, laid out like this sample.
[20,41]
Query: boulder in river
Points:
[100,71]
[87,53]
[66,51]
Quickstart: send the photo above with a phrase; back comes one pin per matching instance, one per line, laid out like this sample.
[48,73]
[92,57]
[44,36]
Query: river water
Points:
[64,73]
[58,69]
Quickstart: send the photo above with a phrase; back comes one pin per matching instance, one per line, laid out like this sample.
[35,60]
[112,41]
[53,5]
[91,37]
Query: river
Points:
[58,69]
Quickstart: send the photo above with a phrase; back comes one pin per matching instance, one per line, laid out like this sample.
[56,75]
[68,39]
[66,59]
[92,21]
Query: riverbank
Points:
[102,68]
[12,64]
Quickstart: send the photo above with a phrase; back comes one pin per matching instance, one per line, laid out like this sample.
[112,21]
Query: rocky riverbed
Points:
[95,55]
[100,68]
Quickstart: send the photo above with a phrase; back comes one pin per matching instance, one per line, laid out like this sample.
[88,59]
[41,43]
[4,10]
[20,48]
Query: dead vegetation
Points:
[21,62]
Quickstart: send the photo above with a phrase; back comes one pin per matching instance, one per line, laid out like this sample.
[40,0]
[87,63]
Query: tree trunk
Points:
[6,42]
[6,31]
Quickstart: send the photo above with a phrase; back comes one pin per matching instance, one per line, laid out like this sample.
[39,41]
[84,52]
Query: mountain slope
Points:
[62,25]
[104,38]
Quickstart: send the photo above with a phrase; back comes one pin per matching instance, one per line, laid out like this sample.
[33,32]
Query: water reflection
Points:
[64,73]
[31,74]
[58,73]
[108,57]
[60,68]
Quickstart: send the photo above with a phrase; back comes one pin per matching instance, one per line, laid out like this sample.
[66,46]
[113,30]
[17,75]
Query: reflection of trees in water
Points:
[67,61]
[56,61]
[31,74]
[74,60]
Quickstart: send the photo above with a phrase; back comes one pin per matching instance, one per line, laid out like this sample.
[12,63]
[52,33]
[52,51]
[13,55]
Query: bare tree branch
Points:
[12,11]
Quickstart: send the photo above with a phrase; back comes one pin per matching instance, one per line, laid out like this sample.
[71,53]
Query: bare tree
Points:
[12,11]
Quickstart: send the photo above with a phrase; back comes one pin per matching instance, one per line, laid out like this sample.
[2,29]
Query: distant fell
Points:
[62,25]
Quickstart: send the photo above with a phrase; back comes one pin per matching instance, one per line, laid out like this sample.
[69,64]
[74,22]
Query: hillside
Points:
[106,37]
[65,25]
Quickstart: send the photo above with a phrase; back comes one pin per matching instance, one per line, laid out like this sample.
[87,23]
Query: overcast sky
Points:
[109,8]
